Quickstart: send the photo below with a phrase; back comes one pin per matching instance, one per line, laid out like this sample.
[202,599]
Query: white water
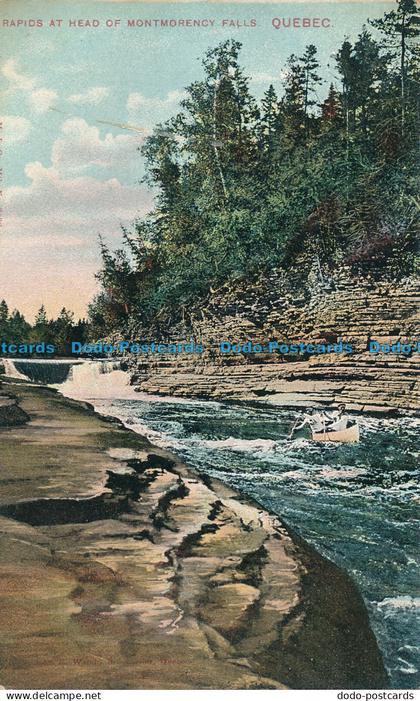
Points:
[12,371]
[101,380]
[97,380]
[241,445]
[354,503]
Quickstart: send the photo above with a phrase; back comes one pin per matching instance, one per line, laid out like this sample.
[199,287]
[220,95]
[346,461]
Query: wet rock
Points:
[159,580]
[229,608]
[11,414]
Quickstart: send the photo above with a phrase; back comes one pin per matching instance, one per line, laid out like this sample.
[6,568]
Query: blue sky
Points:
[77,102]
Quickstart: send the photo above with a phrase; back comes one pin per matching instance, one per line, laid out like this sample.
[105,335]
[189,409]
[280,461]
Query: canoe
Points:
[351,434]
[338,425]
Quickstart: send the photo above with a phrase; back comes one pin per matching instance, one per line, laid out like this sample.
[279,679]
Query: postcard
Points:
[209,348]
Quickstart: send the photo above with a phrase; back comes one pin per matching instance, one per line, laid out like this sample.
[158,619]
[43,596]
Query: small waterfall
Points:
[80,379]
[10,369]
[96,379]
[43,372]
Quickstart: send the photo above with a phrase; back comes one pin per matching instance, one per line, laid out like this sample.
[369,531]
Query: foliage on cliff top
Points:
[244,186]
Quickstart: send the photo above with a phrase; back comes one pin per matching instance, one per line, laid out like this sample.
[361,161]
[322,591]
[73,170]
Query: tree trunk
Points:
[215,147]
[403,77]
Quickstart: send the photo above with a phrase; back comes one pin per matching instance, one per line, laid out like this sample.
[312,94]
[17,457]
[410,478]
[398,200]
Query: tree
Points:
[330,108]
[310,65]
[4,311]
[347,70]
[4,317]
[117,279]
[270,120]
[18,328]
[294,99]
[41,317]
[402,27]
[42,330]
[62,329]
[367,73]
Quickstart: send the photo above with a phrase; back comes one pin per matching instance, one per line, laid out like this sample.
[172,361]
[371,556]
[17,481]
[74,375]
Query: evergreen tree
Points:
[62,329]
[41,317]
[330,108]
[4,311]
[367,73]
[311,78]
[4,317]
[402,28]
[294,99]
[18,330]
[348,73]
[270,122]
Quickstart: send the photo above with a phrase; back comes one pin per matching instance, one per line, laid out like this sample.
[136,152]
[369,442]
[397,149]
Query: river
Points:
[359,505]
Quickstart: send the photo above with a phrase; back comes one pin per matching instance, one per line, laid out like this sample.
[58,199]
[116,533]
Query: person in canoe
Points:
[324,426]
[324,420]
[338,421]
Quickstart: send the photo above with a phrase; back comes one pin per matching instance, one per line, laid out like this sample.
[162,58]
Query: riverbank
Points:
[290,309]
[126,570]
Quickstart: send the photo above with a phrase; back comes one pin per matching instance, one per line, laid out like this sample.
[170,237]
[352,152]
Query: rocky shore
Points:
[324,309]
[11,413]
[122,569]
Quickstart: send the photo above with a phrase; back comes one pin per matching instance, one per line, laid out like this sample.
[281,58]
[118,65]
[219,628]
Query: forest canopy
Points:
[60,332]
[245,185]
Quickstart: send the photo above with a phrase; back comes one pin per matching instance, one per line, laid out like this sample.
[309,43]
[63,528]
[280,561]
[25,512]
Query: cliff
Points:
[280,307]
[121,569]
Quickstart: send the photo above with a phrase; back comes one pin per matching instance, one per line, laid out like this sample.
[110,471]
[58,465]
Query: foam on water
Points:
[252,446]
[97,380]
[399,602]
[39,372]
[11,370]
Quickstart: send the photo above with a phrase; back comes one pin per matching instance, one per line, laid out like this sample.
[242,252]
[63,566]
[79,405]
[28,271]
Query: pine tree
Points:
[18,329]
[294,99]
[401,28]
[41,317]
[367,72]
[62,329]
[270,121]
[4,317]
[4,311]
[348,72]
[310,65]
[330,108]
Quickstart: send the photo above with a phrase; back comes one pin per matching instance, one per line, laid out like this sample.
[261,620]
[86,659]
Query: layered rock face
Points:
[326,310]
[121,569]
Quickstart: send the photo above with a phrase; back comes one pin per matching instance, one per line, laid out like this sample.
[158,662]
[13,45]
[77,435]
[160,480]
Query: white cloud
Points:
[41,100]
[58,214]
[49,247]
[73,203]
[92,96]
[151,110]
[18,80]
[16,129]
[80,146]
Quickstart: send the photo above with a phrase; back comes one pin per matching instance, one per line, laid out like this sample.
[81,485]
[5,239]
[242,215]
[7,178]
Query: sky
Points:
[77,102]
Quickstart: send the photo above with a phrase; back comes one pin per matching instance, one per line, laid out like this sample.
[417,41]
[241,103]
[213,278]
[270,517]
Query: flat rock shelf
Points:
[122,569]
